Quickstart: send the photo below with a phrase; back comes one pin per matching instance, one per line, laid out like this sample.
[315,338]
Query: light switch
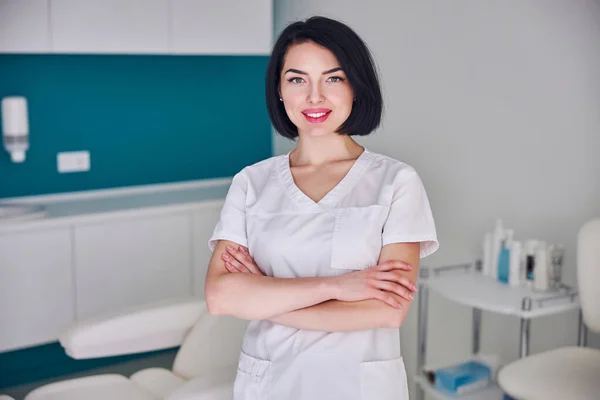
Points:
[74,161]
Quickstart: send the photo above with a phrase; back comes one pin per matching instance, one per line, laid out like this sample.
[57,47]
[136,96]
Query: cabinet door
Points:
[131,262]
[36,287]
[204,222]
[24,26]
[110,26]
[221,27]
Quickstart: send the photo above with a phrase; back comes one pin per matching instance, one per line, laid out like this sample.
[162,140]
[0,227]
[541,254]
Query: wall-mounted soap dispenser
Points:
[15,127]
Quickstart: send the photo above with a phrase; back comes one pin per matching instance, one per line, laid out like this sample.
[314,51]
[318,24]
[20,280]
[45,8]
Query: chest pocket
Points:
[357,237]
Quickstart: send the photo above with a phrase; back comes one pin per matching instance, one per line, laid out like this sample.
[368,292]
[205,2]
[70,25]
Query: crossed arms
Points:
[359,300]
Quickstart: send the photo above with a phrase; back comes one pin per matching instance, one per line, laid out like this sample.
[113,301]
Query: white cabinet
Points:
[221,27]
[110,254]
[132,261]
[110,26]
[136,26]
[24,26]
[36,287]
[204,222]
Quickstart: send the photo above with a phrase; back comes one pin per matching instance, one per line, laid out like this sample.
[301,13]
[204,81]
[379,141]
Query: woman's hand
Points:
[239,260]
[376,282]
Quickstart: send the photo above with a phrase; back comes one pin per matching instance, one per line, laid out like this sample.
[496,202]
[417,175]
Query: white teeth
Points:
[316,115]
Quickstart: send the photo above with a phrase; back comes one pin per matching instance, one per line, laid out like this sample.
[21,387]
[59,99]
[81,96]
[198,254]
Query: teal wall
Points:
[50,362]
[144,119]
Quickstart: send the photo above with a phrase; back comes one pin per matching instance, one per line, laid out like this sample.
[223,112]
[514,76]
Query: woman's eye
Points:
[295,80]
[336,79]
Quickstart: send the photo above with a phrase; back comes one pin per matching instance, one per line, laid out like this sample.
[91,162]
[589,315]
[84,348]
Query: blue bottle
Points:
[504,259]
[504,265]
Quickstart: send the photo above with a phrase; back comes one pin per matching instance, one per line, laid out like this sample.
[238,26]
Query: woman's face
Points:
[315,91]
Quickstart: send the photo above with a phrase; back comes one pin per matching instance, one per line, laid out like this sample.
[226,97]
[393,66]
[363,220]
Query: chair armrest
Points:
[155,326]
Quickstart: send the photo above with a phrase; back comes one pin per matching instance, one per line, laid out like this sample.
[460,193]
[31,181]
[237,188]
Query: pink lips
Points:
[324,114]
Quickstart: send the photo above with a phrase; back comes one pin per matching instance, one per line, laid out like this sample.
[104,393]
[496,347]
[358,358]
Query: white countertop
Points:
[60,209]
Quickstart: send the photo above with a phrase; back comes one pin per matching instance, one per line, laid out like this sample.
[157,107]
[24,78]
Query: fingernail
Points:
[226,256]
[229,248]
[398,305]
[410,296]
[415,288]
[242,249]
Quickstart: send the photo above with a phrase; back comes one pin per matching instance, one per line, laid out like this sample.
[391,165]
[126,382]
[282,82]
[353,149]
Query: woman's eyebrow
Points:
[329,71]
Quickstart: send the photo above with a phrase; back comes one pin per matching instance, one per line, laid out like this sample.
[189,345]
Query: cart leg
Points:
[524,345]
[476,330]
[422,335]
[582,337]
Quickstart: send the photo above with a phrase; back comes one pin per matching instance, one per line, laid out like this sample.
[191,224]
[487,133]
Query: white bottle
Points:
[497,242]
[540,278]
[508,237]
[487,254]
[516,250]
[15,127]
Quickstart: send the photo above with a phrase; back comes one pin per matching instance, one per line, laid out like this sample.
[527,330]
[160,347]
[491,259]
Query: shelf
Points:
[491,393]
[464,285]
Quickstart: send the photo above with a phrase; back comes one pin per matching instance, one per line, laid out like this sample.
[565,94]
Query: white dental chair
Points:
[204,367]
[569,372]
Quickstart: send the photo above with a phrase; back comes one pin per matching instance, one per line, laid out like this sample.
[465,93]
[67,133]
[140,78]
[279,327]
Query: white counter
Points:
[61,209]
[138,244]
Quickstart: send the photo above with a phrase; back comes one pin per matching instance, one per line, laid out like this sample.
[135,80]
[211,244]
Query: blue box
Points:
[462,378]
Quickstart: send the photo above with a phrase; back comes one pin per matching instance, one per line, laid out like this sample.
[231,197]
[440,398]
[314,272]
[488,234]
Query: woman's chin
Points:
[318,131]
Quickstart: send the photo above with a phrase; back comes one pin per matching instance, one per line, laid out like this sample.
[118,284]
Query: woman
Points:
[319,248]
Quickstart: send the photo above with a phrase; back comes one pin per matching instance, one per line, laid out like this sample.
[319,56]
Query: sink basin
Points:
[20,212]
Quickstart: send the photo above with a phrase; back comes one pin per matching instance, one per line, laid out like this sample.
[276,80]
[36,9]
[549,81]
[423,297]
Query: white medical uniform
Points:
[379,201]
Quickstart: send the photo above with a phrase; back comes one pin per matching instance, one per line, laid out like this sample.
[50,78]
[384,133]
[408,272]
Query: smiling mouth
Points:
[316,117]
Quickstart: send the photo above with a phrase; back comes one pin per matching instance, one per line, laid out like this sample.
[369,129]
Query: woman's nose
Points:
[315,94]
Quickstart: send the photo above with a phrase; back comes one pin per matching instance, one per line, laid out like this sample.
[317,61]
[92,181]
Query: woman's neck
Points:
[322,150]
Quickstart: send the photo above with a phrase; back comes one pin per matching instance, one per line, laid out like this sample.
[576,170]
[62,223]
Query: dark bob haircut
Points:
[355,60]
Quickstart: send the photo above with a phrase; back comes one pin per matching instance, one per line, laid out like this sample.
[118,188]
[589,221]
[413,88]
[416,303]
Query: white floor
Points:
[164,360]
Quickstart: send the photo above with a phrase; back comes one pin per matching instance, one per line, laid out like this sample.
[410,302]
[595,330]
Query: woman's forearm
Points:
[256,297]
[340,316]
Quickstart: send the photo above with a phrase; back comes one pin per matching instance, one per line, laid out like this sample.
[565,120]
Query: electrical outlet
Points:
[74,161]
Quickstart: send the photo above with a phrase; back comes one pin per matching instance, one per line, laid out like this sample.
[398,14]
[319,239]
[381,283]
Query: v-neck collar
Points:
[348,181]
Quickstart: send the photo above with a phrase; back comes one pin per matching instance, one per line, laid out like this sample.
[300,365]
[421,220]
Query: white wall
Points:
[497,105]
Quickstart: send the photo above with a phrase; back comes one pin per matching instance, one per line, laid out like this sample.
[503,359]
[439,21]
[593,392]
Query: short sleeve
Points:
[232,222]
[410,218]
